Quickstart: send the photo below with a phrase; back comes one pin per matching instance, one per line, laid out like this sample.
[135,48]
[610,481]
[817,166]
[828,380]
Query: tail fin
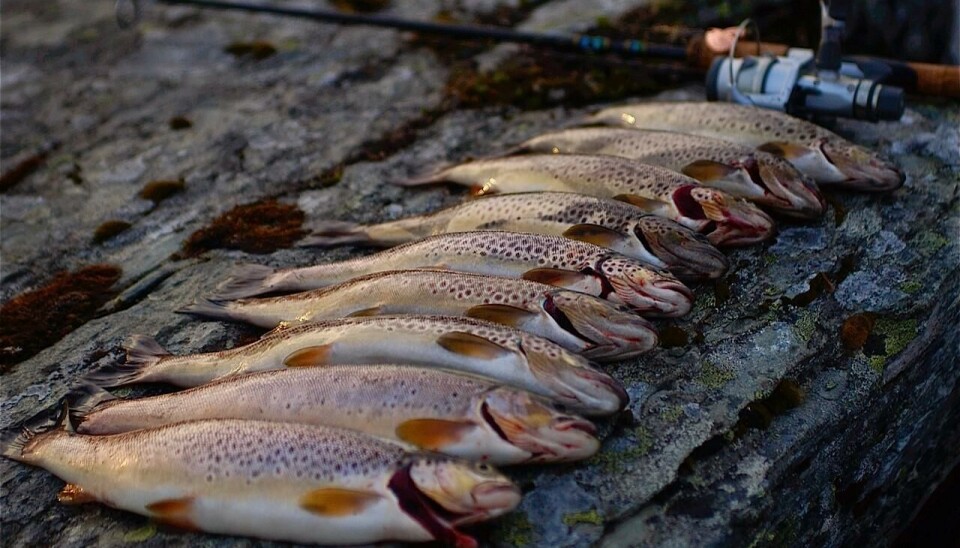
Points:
[207,308]
[84,398]
[245,281]
[143,352]
[18,448]
[330,233]
[15,449]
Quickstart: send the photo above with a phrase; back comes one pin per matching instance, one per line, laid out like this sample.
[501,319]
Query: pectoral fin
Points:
[708,170]
[646,204]
[309,356]
[174,512]
[74,494]
[501,313]
[594,234]
[433,434]
[556,276]
[784,149]
[473,346]
[334,502]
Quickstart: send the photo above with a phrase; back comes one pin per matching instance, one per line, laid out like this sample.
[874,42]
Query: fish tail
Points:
[84,398]
[19,448]
[330,233]
[16,449]
[246,281]
[208,308]
[143,353]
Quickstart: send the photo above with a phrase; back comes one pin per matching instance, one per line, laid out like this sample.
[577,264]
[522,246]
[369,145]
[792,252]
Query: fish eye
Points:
[484,467]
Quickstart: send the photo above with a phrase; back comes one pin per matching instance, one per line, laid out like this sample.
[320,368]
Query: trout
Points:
[724,219]
[479,347]
[741,171]
[553,260]
[278,481]
[815,151]
[607,223]
[458,415]
[594,327]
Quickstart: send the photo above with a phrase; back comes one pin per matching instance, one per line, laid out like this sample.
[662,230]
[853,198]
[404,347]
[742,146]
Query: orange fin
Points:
[468,344]
[555,276]
[174,512]
[500,313]
[74,494]
[365,312]
[433,434]
[708,170]
[309,356]
[335,502]
[594,234]
[784,149]
[646,204]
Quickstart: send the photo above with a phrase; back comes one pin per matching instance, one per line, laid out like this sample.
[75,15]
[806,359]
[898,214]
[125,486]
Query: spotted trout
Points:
[469,345]
[594,327]
[553,260]
[278,481]
[459,415]
[741,171]
[724,219]
[815,151]
[607,223]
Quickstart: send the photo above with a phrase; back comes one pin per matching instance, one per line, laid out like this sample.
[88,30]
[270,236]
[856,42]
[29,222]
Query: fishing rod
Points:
[768,75]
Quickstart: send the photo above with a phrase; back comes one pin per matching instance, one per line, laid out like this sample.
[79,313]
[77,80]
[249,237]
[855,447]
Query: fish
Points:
[608,223]
[277,481]
[581,323]
[435,410]
[553,260]
[741,171]
[724,219]
[468,345]
[815,151]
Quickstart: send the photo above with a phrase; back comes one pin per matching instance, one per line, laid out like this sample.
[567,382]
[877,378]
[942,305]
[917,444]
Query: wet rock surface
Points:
[811,396]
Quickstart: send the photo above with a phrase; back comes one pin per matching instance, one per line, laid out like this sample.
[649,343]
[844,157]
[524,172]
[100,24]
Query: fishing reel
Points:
[804,84]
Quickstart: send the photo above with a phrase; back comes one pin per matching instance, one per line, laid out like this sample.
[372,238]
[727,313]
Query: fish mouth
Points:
[688,255]
[560,438]
[492,498]
[437,520]
[660,296]
[786,190]
[735,222]
[606,394]
[610,330]
[862,169]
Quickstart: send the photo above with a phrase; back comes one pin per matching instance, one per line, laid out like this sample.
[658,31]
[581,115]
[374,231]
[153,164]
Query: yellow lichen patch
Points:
[890,337]
[515,529]
[713,376]
[590,517]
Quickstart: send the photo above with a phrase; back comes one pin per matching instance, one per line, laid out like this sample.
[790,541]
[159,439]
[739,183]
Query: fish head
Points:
[863,169]
[731,221]
[571,377]
[537,427]
[610,330]
[684,253]
[644,288]
[464,492]
[785,188]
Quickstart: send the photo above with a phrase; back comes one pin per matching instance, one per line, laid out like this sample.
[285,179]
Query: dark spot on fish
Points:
[108,230]
[36,319]
[158,191]
[261,227]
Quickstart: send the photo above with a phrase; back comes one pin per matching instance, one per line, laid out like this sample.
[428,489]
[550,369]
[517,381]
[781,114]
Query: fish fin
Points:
[365,312]
[245,281]
[474,346]
[707,170]
[207,308]
[433,434]
[309,356]
[500,313]
[74,494]
[336,502]
[15,448]
[83,398]
[330,233]
[555,276]
[594,234]
[174,512]
[646,204]
[784,149]
[143,352]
